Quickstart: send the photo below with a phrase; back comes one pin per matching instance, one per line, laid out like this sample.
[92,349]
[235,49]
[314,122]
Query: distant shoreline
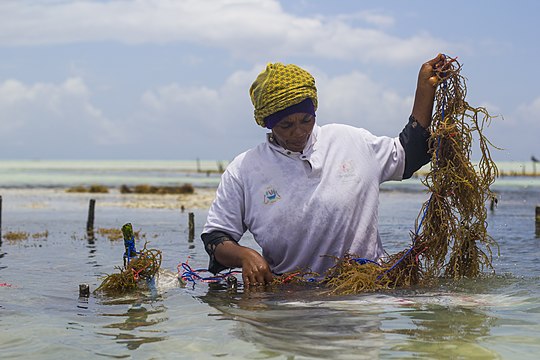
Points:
[201,174]
[51,198]
[502,174]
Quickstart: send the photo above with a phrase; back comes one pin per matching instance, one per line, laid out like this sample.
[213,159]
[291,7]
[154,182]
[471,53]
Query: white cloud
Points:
[360,101]
[181,118]
[198,113]
[224,115]
[370,17]
[514,132]
[188,121]
[528,113]
[51,115]
[246,28]
[174,97]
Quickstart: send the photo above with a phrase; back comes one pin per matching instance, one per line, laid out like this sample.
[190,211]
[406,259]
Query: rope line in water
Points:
[189,274]
[363,261]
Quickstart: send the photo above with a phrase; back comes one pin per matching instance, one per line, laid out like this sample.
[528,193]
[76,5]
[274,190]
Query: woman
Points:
[309,193]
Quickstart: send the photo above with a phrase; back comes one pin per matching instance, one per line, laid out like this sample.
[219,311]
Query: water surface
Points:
[43,317]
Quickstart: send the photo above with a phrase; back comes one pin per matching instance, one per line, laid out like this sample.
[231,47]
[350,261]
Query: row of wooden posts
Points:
[90,221]
[92,210]
[191,220]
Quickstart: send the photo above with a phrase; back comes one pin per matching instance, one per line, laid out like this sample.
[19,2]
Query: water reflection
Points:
[2,254]
[92,249]
[288,323]
[307,324]
[135,320]
[445,332]
[134,342]
[82,303]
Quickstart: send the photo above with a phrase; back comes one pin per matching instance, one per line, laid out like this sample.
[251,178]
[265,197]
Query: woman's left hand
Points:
[426,87]
[427,77]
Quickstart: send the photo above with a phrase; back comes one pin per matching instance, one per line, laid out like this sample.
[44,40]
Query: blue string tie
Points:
[130,251]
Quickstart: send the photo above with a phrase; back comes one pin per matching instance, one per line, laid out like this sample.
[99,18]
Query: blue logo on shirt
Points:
[271,196]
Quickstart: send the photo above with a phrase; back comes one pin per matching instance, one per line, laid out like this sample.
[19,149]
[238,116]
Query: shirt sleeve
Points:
[414,139]
[225,221]
[228,208]
[388,154]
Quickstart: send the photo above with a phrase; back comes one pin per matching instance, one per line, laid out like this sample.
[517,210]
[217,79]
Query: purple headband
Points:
[306,106]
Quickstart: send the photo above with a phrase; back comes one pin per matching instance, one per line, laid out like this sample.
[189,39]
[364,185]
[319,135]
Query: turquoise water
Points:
[64,173]
[43,317]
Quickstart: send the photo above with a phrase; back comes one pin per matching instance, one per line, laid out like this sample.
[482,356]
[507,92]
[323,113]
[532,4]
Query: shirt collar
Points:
[308,149]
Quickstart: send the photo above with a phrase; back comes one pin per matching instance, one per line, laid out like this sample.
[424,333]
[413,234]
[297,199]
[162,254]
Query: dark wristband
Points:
[414,139]
[211,241]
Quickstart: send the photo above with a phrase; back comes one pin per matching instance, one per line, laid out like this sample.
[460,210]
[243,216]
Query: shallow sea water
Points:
[43,317]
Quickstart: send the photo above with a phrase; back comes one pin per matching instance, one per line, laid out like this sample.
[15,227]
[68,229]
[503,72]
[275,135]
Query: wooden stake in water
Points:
[0,220]
[191,225]
[84,290]
[537,221]
[493,203]
[90,222]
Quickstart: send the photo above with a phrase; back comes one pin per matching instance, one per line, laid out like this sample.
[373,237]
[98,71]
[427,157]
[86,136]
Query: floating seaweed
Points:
[16,235]
[116,234]
[295,277]
[160,190]
[94,188]
[41,235]
[454,242]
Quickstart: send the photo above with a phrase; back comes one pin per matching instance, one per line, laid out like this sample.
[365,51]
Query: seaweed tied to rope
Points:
[134,274]
[451,238]
[454,230]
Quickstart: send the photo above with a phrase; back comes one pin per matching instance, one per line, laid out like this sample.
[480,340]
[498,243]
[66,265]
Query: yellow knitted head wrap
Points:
[280,86]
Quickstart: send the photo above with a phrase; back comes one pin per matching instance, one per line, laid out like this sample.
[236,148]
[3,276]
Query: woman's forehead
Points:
[296,117]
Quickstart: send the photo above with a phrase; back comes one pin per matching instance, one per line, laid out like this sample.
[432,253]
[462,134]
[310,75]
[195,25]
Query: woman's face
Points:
[292,132]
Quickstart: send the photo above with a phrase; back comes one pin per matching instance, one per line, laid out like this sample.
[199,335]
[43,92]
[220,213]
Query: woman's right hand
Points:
[255,269]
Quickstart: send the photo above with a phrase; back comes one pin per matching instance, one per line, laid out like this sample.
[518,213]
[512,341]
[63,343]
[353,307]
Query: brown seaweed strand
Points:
[455,222]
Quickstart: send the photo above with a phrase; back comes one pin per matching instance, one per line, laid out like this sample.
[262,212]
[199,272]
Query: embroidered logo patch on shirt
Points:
[271,195]
[346,170]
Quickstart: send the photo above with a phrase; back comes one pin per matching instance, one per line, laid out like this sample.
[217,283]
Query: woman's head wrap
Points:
[305,106]
[279,87]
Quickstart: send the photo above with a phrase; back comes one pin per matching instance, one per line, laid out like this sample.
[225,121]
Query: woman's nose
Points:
[298,130]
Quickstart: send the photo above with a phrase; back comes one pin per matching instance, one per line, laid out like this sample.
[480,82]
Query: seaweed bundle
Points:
[454,241]
[454,228]
[134,274]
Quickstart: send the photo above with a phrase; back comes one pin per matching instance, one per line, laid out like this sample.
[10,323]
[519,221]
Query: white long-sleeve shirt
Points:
[301,207]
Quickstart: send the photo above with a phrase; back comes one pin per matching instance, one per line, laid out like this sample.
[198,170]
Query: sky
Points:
[169,79]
